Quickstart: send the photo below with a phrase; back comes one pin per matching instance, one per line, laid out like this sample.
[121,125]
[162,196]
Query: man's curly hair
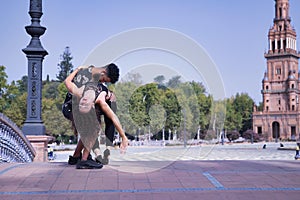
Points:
[112,71]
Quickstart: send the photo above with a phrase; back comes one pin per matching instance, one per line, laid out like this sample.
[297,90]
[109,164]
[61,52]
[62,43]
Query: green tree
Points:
[134,78]
[17,110]
[233,119]
[65,66]
[199,105]
[123,91]
[137,108]
[183,120]
[243,105]
[12,99]
[62,92]
[50,90]
[55,123]
[11,93]
[22,84]
[172,108]
[174,82]
[205,104]
[3,80]
[140,102]
[198,87]
[3,89]
[218,115]
[159,79]
[140,107]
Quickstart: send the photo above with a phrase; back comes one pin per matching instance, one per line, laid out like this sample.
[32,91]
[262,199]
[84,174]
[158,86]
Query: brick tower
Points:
[280,115]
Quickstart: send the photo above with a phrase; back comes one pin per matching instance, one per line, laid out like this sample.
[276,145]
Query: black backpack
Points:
[67,107]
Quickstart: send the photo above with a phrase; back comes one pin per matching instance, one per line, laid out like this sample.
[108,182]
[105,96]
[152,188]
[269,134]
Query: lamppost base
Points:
[33,128]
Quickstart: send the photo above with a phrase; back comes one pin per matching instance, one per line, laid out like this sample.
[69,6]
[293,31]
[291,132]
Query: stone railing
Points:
[14,146]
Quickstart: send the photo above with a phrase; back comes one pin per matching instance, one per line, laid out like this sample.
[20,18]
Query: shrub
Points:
[232,135]
[248,135]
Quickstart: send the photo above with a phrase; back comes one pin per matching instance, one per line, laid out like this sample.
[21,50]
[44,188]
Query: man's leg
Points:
[109,132]
[109,136]
[77,154]
[78,149]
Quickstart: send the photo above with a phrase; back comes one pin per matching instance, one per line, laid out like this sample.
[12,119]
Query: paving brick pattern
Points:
[240,171]
[226,179]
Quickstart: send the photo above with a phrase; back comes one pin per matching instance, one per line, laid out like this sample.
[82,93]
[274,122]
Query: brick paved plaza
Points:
[162,176]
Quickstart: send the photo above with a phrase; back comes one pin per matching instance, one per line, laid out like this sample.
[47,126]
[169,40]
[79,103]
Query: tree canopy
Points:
[173,106]
[65,66]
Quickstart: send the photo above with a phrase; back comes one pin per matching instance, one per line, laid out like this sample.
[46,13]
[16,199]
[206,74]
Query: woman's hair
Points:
[112,72]
[87,126]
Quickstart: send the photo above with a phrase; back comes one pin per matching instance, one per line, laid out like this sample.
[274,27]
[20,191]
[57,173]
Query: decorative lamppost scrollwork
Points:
[35,54]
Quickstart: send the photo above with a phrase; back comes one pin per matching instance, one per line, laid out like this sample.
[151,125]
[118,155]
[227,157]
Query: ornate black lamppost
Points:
[35,54]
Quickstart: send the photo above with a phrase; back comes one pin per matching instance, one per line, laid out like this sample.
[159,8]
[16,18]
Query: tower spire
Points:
[282,9]
[282,36]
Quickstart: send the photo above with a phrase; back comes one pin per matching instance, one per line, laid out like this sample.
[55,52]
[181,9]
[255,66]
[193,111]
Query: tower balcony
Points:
[272,91]
[282,19]
[289,90]
[288,52]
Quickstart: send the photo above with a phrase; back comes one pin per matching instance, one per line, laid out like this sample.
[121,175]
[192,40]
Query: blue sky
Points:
[232,32]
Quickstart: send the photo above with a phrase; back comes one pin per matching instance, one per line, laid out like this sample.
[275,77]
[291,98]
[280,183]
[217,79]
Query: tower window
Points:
[273,46]
[267,87]
[267,108]
[278,71]
[279,102]
[293,107]
[280,12]
[292,86]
